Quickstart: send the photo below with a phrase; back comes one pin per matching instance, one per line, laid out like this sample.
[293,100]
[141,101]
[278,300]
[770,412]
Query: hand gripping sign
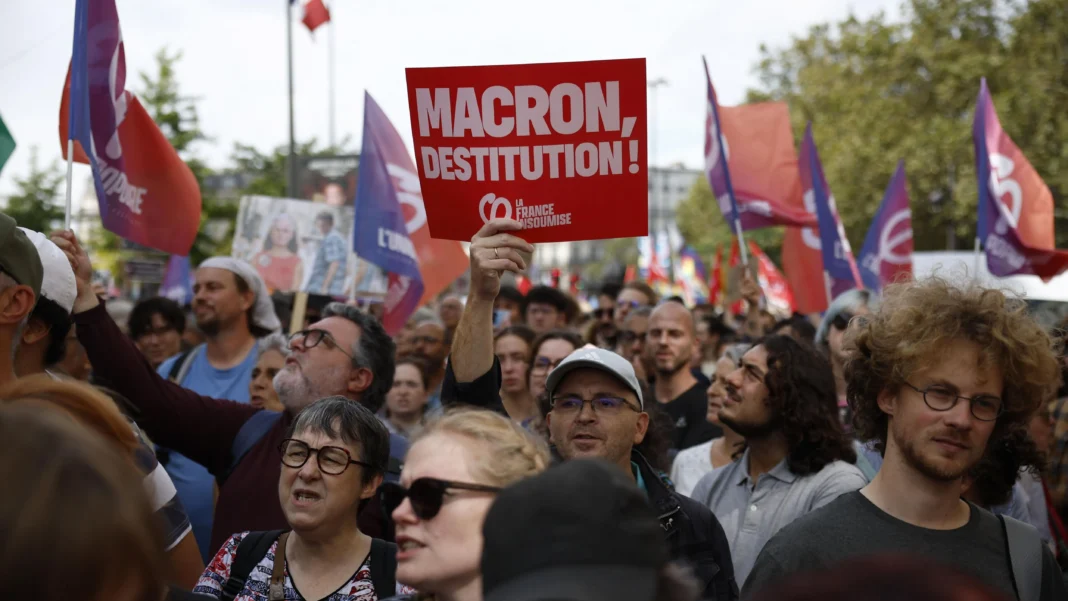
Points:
[560,147]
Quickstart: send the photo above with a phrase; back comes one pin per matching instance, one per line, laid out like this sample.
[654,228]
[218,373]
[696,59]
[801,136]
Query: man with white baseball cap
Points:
[597,410]
[44,339]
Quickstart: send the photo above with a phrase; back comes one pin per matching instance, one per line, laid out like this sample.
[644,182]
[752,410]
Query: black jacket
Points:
[695,537]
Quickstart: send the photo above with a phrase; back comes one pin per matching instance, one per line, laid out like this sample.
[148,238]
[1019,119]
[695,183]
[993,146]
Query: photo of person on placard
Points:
[331,260]
[279,263]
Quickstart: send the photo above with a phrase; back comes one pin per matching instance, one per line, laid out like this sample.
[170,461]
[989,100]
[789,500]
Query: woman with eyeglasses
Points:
[452,473]
[513,349]
[332,463]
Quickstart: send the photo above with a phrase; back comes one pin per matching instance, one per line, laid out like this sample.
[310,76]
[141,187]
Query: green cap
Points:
[18,256]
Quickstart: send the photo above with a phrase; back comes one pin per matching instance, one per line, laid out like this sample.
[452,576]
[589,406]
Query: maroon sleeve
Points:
[199,427]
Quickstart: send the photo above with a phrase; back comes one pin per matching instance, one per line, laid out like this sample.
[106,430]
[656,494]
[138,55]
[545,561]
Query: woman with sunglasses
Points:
[830,338]
[332,463]
[452,473]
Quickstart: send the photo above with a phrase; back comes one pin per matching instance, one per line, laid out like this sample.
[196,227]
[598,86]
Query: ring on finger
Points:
[496,254]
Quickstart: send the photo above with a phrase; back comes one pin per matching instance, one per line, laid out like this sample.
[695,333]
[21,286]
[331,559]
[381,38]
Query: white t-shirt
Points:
[690,465]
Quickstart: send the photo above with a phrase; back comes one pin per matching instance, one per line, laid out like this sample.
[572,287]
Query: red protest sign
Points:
[560,147]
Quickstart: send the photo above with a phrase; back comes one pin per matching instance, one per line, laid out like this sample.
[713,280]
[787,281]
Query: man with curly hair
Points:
[781,399]
[938,375]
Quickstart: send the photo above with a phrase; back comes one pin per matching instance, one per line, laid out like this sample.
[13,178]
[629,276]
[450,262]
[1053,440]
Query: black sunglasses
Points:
[841,321]
[426,495]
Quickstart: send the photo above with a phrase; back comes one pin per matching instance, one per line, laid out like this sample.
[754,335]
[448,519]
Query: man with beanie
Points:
[21,275]
[44,339]
[539,545]
[233,309]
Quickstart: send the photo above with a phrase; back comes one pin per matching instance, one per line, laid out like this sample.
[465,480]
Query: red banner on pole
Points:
[560,147]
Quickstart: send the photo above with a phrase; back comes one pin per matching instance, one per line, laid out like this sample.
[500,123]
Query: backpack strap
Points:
[251,432]
[1025,557]
[252,549]
[180,368]
[383,568]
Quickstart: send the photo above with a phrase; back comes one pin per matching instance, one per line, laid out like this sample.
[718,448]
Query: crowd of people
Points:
[516,447]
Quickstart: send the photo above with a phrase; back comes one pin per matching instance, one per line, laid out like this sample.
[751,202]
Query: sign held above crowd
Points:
[560,147]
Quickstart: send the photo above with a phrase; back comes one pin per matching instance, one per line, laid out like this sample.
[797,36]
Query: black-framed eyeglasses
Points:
[312,337]
[984,407]
[602,405]
[426,495]
[331,460]
[628,337]
[604,312]
[546,364]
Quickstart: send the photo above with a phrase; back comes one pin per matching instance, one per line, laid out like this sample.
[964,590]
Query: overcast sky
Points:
[234,58]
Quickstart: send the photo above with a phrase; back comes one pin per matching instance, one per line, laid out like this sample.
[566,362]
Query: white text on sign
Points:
[566,109]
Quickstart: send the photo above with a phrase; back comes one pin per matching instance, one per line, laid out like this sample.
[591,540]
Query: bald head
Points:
[674,314]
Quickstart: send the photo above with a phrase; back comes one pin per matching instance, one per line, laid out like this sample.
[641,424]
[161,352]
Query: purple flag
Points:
[382,232]
[178,280]
[887,251]
[839,268]
[1015,205]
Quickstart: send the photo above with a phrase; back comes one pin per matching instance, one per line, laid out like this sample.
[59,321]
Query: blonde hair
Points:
[87,405]
[511,453]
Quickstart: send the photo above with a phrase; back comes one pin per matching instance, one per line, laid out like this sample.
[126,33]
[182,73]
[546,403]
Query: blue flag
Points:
[381,234]
[839,268]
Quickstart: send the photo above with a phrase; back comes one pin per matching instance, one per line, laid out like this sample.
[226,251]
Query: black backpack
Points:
[255,545]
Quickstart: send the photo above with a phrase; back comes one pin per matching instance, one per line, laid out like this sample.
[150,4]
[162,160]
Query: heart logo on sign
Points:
[487,207]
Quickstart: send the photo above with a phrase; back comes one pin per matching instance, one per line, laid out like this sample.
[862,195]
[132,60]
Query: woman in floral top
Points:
[333,462]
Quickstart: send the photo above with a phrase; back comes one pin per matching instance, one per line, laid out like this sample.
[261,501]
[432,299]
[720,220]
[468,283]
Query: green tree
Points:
[38,202]
[878,90]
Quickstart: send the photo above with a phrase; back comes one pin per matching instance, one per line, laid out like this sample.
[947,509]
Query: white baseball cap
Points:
[599,359]
[58,285]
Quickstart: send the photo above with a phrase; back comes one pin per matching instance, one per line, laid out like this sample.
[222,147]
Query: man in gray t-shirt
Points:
[853,526]
[937,374]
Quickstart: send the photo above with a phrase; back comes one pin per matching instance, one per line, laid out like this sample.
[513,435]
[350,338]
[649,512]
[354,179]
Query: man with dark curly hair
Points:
[938,375]
[798,458]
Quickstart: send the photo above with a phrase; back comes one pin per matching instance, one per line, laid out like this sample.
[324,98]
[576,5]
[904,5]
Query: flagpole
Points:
[977,254]
[330,76]
[291,178]
[727,174]
[78,17]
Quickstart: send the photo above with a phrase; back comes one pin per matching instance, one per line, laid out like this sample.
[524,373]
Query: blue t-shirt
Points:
[194,484]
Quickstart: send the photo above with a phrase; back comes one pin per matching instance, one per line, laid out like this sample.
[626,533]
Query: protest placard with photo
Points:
[297,245]
[560,147]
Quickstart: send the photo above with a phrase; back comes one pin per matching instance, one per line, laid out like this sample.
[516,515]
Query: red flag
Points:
[715,282]
[738,307]
[656,270]
[775,287]
[168,212]
[315,14]
[523,283]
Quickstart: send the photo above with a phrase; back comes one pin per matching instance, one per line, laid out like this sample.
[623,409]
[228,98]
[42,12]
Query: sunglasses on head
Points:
[425,494]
